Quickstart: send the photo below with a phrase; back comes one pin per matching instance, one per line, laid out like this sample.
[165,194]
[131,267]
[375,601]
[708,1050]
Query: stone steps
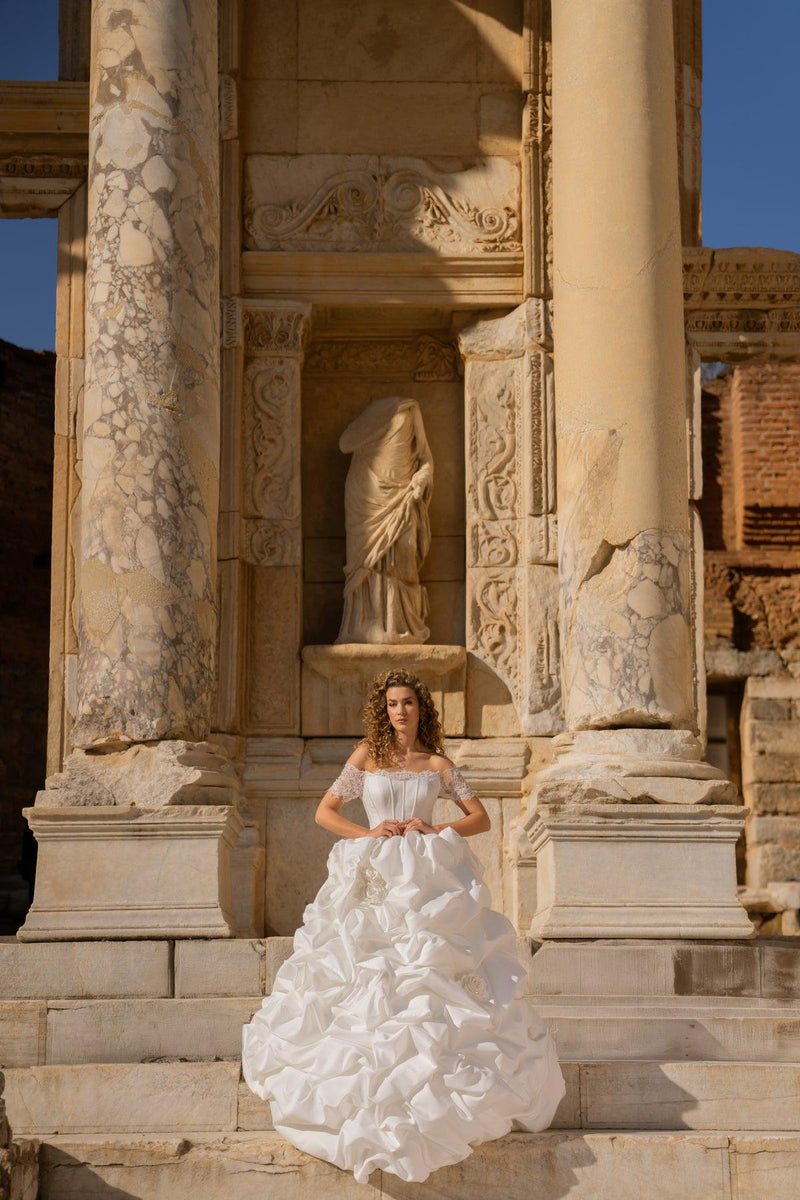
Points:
[36,1032]
[175,1097]
[608,1165]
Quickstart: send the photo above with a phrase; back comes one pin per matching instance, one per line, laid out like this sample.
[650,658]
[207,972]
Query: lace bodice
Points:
[399,795]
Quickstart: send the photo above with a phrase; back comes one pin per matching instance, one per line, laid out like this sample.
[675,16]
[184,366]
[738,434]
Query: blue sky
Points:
[751,159]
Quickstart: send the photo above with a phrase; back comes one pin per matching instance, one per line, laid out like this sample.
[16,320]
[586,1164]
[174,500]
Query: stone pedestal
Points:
[136,843]
[653,870]
[336,682]
[122,873]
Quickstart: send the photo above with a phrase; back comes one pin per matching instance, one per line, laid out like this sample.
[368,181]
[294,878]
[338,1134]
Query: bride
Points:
[396,1036]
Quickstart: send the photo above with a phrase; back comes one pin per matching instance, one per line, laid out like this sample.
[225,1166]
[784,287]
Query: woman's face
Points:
[402,706]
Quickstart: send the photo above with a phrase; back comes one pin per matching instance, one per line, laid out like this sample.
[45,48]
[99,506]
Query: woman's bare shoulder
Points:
[360,756]
[440,762]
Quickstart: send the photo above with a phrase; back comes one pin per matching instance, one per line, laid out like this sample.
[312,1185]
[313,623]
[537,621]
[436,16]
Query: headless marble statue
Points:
[386,499]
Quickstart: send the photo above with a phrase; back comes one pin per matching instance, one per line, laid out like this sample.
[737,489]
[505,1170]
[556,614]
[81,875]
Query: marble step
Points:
[767,967]
[34,1032]
[124,1098]
[608,1165]
[671,1030]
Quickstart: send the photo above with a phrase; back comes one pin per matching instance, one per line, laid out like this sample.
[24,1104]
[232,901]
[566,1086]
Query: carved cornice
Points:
[48,117]
[743,303]
[743,277]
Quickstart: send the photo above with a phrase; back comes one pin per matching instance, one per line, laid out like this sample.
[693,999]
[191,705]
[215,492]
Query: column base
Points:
[637,871]
[136,843]
[108,872]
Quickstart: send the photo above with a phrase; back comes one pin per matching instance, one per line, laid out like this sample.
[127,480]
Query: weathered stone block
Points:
[645,870]
[780,970]
[772,861]
[783,798]
[640,968]
[122,1097]
[219,967]
[115,1031]
[691,1095]
[22,1028]
[83,969]
[115,872]
[253,1112]
[277,950]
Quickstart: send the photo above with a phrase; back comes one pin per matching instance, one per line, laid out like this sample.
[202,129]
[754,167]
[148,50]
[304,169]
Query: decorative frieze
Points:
[426,358]
[357,202]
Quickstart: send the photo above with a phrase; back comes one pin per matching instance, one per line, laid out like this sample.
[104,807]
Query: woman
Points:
[395,1036]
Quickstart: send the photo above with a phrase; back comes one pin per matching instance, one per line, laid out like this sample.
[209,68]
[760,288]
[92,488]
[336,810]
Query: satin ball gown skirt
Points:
[395,1036]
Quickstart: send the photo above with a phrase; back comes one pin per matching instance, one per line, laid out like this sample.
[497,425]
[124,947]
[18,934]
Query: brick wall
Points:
[26,464]
[765,421]
[750,508]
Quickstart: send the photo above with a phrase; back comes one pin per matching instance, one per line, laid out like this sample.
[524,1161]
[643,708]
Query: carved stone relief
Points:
[356,202]
[270,530]
[511,577]
[426,358]
[742,303]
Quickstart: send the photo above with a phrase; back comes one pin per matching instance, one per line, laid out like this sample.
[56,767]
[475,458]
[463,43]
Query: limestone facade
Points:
[288,237]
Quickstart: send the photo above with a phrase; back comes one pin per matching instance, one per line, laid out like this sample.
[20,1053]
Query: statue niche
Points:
[386,498]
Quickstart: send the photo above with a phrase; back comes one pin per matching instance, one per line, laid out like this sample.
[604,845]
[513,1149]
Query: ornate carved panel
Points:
[512,618]
[321,202]
[270,536]
[425,357]
[742,303]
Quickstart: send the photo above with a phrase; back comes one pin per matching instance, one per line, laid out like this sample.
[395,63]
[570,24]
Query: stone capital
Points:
[276,328]
[527,327]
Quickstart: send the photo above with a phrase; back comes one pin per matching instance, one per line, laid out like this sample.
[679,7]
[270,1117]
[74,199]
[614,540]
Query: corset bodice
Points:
[399,795]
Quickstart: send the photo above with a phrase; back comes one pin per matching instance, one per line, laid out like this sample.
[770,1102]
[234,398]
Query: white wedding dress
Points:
[395,1036]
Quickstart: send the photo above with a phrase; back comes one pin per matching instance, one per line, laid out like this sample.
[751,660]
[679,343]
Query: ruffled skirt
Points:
[395,1036]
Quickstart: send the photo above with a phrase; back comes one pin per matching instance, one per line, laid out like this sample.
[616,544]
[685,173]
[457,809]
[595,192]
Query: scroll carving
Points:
[495,621]
[379,204]
[273,386]
[272,543]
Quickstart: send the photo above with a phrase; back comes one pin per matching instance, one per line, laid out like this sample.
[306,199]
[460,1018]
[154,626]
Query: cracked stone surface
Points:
[628,655]
[151,405]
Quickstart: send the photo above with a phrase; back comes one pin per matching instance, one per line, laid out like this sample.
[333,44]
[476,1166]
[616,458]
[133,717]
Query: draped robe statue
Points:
[386,499]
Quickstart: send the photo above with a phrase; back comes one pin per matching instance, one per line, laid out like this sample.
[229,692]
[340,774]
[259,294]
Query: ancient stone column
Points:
[663,867]
[135,833]
[151,403]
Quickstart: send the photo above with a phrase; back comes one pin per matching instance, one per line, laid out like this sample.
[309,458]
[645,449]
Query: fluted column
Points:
[151,406]
[632,832]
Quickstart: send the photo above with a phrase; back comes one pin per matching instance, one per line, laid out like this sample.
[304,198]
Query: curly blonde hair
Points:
[379,735]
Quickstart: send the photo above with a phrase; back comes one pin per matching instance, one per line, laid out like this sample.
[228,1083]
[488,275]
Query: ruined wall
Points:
[751,510]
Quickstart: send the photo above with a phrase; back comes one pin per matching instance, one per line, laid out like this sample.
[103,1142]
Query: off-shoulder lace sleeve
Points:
[349,784]
[454,784]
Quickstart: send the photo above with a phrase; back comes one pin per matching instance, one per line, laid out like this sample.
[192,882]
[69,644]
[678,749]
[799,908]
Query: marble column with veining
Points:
[150,488]
[623,512]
